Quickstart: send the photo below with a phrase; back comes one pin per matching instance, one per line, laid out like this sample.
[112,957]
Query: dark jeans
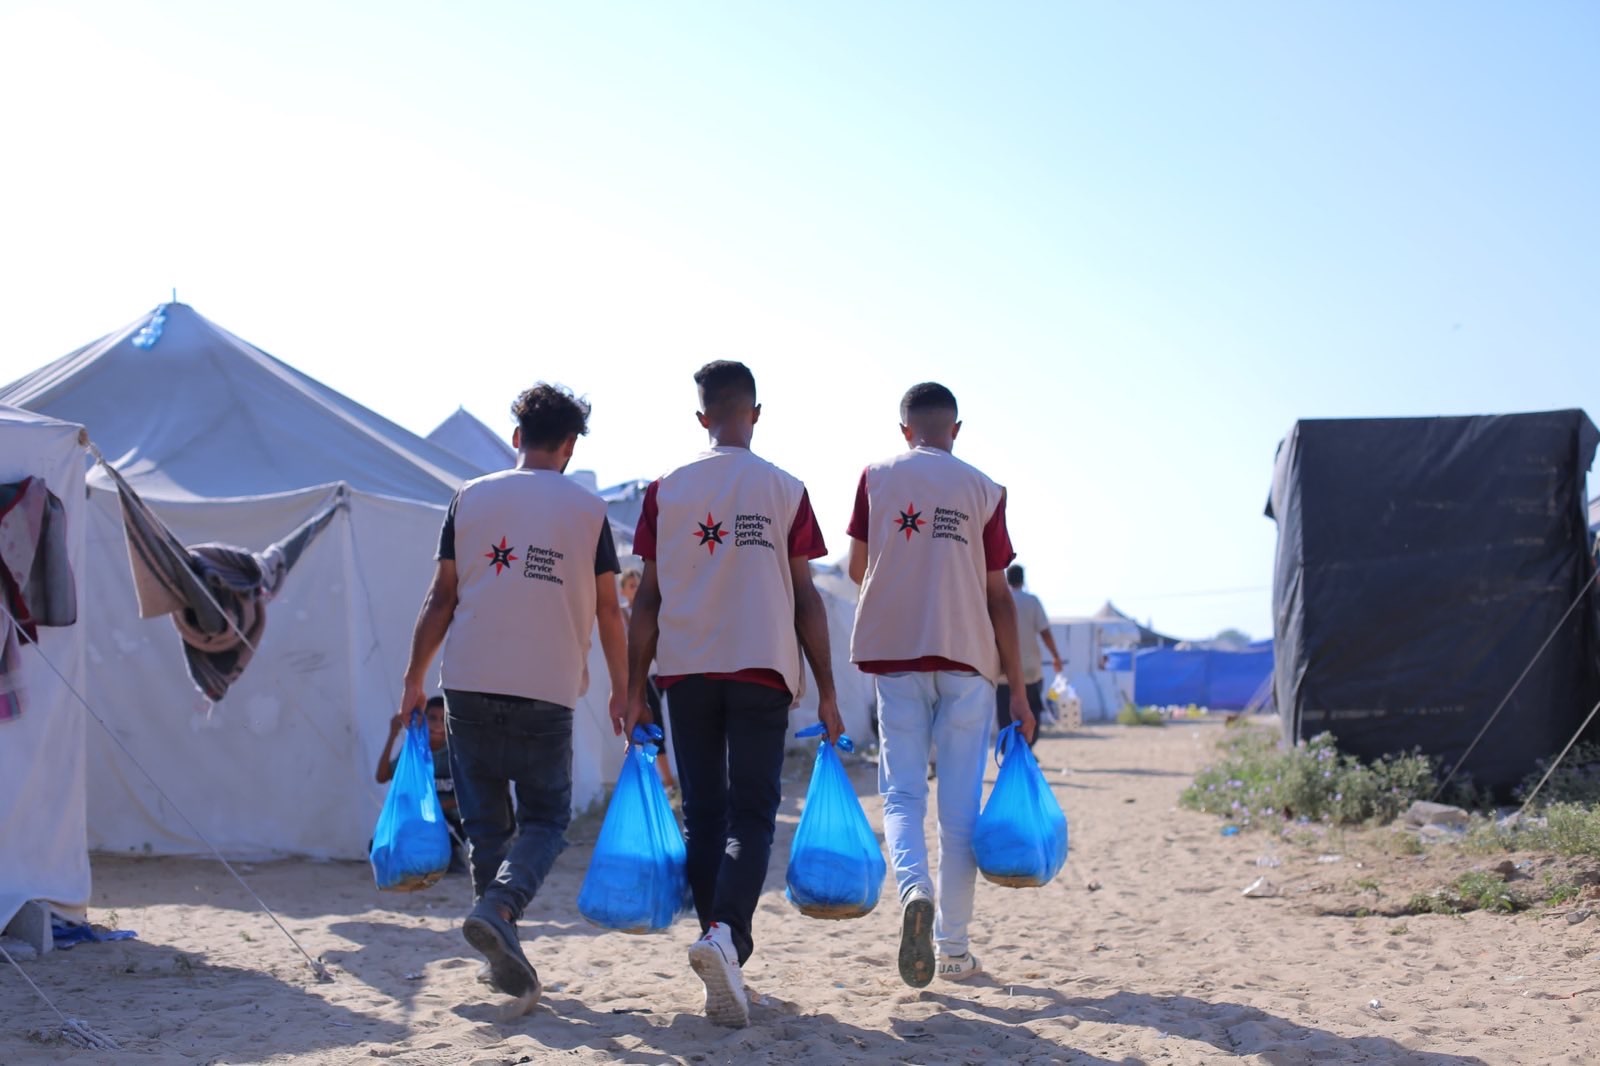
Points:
[497,744]
[729,738]
[1002,703]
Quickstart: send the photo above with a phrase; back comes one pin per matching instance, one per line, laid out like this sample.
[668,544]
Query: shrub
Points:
[1131,715]
[1577,780]
[1257,778]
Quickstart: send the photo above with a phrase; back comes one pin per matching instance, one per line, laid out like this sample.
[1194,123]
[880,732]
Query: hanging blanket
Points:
[217,594]
[36,584]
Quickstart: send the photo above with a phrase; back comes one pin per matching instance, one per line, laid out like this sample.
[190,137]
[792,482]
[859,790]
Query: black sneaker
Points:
[496,939]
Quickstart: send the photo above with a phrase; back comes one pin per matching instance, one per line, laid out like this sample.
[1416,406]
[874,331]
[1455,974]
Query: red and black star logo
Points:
[710,533]
[500,557]
[910,521]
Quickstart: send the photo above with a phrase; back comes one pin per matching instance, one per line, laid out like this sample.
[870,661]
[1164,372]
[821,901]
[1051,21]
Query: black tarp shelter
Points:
[1421,564]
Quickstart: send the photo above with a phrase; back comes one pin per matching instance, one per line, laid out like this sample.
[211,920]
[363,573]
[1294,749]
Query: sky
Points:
[1138,241]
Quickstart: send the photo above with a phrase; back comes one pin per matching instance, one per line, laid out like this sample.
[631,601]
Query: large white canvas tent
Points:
[43,849]
[464,435]
[227,444]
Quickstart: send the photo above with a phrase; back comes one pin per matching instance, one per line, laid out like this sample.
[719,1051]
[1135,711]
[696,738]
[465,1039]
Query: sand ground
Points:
[1165,963]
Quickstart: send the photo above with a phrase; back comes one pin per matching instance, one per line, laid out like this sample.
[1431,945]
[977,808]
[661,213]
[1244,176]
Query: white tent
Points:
[464,435]
[227,444]
[43,850]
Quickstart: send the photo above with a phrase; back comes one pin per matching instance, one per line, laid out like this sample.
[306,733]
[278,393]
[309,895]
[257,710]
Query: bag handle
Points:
[1003,742]
[647,740]
[819,730]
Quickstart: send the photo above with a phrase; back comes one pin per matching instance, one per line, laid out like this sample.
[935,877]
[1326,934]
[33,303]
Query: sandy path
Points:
[1166,964]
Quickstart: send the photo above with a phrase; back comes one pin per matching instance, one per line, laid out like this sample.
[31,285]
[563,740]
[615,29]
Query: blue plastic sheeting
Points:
[1219,680]
[1120,661]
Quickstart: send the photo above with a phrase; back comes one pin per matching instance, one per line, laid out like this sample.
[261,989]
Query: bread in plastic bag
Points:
[411,844]
[1020,840]
[637,880]
[836,867]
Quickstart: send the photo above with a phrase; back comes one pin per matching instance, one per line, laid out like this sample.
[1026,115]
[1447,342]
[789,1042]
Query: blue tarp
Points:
[1219,680]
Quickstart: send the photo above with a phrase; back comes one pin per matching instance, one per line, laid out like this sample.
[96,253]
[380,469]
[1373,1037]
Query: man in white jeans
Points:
[936,625]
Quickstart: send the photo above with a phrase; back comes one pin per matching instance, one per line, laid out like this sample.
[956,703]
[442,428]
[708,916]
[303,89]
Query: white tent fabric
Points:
[43,848]
[227,444]
[462,434]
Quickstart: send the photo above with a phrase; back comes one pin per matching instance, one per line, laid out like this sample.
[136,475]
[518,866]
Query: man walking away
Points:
[1033,625]
[526,566]
[725,606]
[935,624]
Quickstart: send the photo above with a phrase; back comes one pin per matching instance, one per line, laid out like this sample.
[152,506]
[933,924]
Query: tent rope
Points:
[1516,685]
[1529,801]
[75,1032]
[317,968]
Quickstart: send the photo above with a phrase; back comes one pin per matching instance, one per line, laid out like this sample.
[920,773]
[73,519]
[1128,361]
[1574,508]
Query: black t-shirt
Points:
[605,553]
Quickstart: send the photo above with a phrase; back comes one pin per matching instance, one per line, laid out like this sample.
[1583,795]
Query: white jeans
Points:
[954,712]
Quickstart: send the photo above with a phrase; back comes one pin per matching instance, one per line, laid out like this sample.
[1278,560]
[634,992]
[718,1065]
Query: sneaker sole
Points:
[917,962]
[724,1006]
[508,971]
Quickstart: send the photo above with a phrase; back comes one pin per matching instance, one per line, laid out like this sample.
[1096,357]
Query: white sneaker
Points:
[959,967]
[715,960]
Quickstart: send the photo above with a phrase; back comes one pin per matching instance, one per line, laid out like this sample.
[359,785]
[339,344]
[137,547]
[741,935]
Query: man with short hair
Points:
[936,625]
[725,607]
[526,568]
[1033,625]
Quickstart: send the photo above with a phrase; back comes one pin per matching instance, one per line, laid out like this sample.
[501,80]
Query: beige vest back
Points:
[525,553]
[925,589]
[722,561]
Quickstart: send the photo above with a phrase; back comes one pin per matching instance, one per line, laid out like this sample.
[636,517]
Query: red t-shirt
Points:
[805,542]
[997,555]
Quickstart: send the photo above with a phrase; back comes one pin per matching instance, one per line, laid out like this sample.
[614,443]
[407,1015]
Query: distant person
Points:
[629,586]
[1033,625]
[935,624]
[525,570]
[443,786]
[725,605]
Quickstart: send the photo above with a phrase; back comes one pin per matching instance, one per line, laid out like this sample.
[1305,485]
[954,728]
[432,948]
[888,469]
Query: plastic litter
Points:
[1269,861]
[1230,830]
[1261,888]
[636,882]
[411,844]
[1020,840]
[836,868]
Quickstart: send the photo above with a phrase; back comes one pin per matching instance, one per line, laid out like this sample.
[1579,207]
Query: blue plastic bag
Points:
[411,845]
[637,880]
[836,868]
[1021,837]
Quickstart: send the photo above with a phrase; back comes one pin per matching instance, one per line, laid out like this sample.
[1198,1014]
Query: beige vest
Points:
[925,589]
[722,561]
[525,551]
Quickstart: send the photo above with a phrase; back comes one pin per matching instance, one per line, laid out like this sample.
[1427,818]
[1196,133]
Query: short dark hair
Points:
[435,701]
[723,382]
[927,396]
[549,414]
[1014,576]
